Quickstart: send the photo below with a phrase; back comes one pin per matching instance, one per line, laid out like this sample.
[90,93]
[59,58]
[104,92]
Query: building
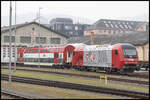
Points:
[27,35]
[139,39]
[66,26]
[105,26]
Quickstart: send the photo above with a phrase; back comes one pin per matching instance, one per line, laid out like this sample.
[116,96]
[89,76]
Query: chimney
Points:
[92,38]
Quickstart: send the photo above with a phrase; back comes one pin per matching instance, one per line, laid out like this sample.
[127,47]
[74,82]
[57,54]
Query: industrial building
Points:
[108,26]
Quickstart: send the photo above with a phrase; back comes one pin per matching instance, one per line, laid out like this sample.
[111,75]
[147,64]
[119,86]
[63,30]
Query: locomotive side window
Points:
[116,52]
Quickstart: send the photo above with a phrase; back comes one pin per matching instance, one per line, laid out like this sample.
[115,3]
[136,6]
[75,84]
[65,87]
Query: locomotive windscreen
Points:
[129,51]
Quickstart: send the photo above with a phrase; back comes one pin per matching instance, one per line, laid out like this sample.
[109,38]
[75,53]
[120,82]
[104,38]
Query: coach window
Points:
[56,49]
[55,55]
[45,50]
[116,52]
[69,54]
[60,55]
[42,50]
[51,50]
[4,55]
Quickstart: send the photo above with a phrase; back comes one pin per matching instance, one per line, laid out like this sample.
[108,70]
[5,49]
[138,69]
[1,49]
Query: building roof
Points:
[117,24]
[6,28]
[135,38]
[64,20]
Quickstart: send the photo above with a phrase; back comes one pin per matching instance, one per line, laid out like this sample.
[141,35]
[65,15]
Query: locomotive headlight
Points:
[126,62]
[136,62]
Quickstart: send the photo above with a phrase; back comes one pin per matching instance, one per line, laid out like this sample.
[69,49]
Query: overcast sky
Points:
[93,10]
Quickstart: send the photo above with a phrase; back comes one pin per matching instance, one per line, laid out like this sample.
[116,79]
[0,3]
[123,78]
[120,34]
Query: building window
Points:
[70,32]
[25,39]
[58,26]
[112,26]
[104,31]
[106,25]
[55,40]
[6,39]
[42,39]
[109,31]
[68,27]
[76,27]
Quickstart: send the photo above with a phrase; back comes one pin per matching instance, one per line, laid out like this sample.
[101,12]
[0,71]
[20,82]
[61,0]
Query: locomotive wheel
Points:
[108,70]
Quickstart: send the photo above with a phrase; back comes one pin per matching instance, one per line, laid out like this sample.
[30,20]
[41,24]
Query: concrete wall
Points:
[143,52]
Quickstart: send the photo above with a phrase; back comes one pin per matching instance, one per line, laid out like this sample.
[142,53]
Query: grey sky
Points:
[93,10]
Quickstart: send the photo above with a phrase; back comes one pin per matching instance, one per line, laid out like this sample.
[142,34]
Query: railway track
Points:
[15,95]
[129,74]
[83,87]
[87,76]
[137,75]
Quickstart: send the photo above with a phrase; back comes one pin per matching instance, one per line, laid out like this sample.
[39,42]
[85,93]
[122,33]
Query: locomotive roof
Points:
[98,47]
[76,44]
[135,38]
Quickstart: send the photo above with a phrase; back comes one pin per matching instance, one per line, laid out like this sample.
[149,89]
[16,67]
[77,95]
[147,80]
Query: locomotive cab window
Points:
[129,51]
[116,52]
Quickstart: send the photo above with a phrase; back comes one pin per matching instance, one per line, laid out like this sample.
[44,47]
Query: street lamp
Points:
[39,36]
[10,18]
[15,40]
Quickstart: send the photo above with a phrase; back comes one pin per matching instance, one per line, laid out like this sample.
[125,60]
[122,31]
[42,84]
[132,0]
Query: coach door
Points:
[21,57]
[69,57]
[56,60]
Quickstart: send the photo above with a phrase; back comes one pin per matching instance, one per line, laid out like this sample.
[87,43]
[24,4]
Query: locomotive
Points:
[120,57]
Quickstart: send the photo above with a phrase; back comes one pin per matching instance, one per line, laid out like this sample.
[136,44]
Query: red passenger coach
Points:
[20,53]
[77,59]
[68,52]
[48,56]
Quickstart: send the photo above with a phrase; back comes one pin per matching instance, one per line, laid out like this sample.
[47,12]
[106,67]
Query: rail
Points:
[15,94]
[87,76]
[83,87]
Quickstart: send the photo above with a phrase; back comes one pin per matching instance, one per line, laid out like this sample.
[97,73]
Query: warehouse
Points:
[27,34]
[109,26]
[139,39]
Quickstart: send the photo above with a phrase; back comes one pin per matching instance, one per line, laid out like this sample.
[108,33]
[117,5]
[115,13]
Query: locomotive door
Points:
[56,59]
[116,61]
[69,56]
